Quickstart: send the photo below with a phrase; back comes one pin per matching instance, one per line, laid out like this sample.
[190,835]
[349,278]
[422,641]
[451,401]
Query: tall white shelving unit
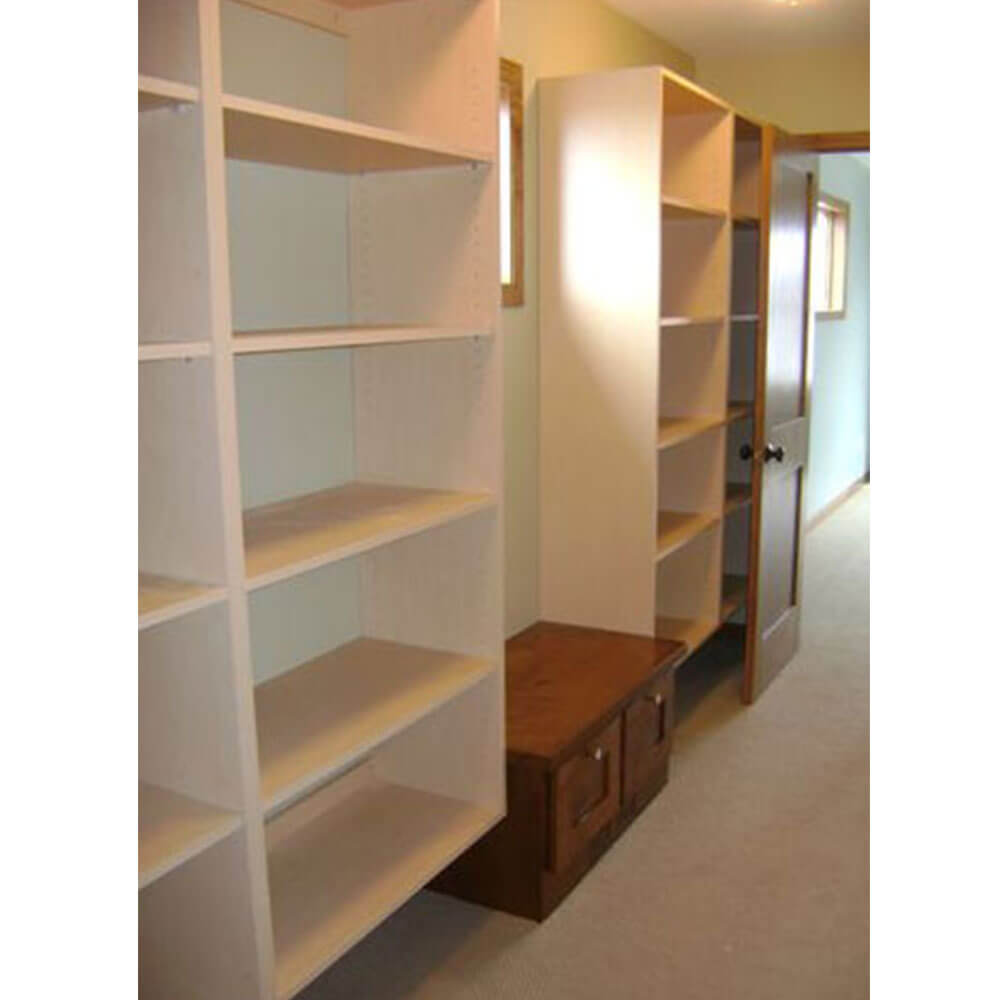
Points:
[320,633]
[649,240]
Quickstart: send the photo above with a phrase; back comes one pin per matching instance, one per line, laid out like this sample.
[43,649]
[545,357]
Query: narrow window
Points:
[830,256]
[511,184]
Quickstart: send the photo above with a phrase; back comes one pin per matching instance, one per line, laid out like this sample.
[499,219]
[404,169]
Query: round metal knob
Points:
[656,699]
[746,452]
[774,451]
[597,753]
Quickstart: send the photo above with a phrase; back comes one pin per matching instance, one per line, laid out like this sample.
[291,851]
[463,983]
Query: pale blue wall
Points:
[838,432]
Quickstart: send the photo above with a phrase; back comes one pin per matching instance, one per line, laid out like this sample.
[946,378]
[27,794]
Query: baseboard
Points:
[838,501]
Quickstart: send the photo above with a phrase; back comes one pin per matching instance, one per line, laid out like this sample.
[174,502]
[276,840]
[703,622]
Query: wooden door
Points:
[781,431]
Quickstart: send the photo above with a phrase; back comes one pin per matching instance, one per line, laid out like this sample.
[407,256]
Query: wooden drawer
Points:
[586,795]
[648,727]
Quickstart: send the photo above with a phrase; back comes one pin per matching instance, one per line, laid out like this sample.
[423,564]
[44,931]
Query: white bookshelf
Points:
[647,162]
[320,590]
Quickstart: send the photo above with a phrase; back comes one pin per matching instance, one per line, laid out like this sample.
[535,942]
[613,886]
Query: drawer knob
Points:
[597,753]
[656,699]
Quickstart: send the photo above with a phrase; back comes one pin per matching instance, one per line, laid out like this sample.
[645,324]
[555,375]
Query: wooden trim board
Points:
[512,87]
[833,142]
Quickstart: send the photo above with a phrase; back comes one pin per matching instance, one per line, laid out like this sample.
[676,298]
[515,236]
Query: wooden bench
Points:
[589,722]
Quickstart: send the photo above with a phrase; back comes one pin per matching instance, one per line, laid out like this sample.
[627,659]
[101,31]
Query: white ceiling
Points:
[703,27]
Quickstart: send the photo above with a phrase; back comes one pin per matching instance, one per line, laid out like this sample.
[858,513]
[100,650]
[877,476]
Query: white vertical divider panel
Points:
[168,40]
[180,502]
[188,739]
[173,290]
[426,68]
[600,156]
[226,429]
[195,933]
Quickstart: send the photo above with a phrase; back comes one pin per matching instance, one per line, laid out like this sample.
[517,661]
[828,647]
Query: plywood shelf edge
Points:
[175,351]
[317,338]
[156,92]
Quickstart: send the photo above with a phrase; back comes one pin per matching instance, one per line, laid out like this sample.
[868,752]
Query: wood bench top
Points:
[564,681]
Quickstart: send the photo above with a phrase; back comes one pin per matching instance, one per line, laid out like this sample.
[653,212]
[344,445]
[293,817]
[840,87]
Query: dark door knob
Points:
[746,452]
[773,451]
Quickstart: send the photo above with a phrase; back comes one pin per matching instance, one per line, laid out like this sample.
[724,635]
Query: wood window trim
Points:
[512,91]
[833,142]
[842,209]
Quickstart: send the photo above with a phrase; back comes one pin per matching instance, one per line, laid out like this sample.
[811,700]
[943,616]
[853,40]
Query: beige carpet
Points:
[747,878]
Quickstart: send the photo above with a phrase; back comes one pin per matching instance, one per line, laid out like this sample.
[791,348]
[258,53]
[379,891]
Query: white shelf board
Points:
[338,876]
[677,528]
[155,92]
[294,536]
[315,338]
[272,133]
[674,430]
[734,595]
[686,208]
[668,322]
[737,495]
[694,632]
[174,828]
[173,350]
[162,598]
[317,720]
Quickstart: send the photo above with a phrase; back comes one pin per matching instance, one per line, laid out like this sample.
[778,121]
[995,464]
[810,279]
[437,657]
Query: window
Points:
[830,257]
[511,184]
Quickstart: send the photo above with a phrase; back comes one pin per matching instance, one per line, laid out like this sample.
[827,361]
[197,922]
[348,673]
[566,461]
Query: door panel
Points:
[776,593]
[782,427]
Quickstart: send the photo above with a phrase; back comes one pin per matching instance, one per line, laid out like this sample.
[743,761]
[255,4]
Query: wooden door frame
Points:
[833,142]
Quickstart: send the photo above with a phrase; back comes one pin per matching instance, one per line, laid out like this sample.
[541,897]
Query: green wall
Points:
[839,426]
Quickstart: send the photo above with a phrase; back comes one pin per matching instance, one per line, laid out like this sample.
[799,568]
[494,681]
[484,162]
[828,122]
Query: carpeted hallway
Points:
[747,879]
